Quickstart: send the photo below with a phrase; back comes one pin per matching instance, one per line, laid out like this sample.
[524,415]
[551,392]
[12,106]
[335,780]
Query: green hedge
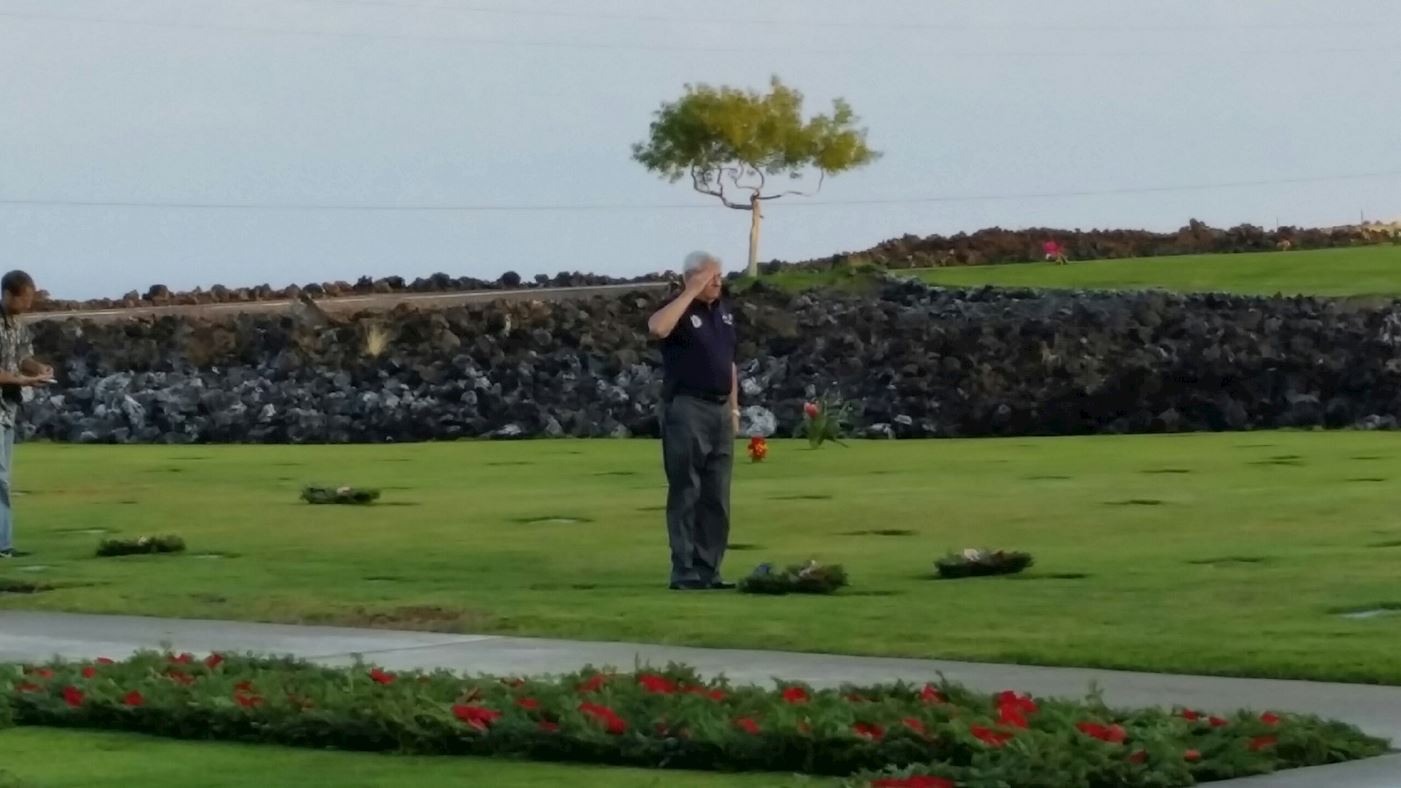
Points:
[673,719]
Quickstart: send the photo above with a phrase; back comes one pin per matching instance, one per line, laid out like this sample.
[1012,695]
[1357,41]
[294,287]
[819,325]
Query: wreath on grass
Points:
[982,563]
[142,545]
[345,496]
[809,578]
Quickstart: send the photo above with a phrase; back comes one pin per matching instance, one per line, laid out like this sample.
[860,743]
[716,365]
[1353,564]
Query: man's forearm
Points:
[13,379]
[734,387]
[664,320]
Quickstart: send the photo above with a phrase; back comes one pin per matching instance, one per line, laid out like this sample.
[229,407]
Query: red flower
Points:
[27,687]
[989,736]
[594,683]
[104,661]
[1261,742]
[868,731]
[243,686]
[548,727]
[478,717]
[248,701]
[915,725]
[89,672]
[811,410]
[713,694]
[133,699]
[609,718]
[660,685]
[1012,717]
[529,704]
[1188,714]
[931,695]
[795,695]
[213,661]
[183,659]
[73,696]
[1022,703]
[43,673]
[917,781]
[1114,734]
[180,677]
[380,677]
[1269,718]
[747,725]
[1192,756]
[1217,722]
[1139,757]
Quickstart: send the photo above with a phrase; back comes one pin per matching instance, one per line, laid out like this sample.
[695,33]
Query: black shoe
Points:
[721,585]
[689,585]
[7,553]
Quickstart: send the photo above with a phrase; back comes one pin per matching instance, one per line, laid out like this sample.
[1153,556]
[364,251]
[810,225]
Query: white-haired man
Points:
[699,420]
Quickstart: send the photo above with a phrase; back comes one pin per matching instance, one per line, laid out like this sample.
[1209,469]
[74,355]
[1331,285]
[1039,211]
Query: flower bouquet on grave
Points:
[825,420]
[758,449]
[809,578]
[143,545]
[982,563]
[346,496]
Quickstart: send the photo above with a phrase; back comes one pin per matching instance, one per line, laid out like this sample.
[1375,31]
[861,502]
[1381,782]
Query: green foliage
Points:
[719,135]
[982,563]
[672,718]
[809,578]
[141,545]
[344,496]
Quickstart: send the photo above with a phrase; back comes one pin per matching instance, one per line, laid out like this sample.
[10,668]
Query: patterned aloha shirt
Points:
[16,345]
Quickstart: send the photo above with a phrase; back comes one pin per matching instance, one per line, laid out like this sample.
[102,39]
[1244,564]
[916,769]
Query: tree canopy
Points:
[730,140]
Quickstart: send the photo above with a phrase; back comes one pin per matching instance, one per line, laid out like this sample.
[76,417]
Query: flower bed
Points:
[143,545]
[982,563]
[809,578]
[344,496]
[673,719]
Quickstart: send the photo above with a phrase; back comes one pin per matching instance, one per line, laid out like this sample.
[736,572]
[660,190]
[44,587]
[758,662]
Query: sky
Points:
[240,142]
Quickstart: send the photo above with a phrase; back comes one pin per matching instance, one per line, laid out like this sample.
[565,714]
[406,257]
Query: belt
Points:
[718,399]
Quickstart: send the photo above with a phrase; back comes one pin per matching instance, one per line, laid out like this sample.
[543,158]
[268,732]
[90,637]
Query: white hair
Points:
[695,261]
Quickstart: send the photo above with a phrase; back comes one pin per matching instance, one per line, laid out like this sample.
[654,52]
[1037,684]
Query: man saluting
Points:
[699,420]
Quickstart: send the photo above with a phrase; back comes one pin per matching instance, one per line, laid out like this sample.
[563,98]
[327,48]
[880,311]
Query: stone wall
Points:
[919,361]
[987,246]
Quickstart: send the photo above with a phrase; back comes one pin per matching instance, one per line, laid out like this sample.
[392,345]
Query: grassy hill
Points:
[1368,270]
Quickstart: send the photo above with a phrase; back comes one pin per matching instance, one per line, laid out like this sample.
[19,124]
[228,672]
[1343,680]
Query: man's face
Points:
[712,274]
[21,302]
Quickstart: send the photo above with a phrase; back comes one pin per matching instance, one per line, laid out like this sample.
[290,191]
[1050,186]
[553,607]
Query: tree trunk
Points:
[756,216]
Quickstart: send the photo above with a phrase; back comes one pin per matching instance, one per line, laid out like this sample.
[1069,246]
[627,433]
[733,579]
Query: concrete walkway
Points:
[27,637]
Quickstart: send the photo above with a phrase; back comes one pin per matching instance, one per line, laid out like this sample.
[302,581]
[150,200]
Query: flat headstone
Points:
[1376,612]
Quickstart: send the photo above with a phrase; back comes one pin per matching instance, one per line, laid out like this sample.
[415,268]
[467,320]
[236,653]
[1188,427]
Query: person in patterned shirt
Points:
[18,371]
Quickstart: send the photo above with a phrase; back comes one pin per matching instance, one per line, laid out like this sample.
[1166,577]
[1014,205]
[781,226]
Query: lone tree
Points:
[730,140]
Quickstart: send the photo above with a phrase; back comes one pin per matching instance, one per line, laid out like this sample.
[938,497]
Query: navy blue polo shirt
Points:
[699,355]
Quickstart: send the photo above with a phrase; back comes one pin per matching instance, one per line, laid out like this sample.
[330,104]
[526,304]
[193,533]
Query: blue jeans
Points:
[7,453]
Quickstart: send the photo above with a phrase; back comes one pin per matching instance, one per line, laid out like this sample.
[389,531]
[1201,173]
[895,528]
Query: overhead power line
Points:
[623,207]
[1038,54]
[802,22]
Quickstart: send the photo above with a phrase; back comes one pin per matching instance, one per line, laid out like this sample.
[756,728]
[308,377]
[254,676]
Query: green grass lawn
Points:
[1369,270]
[1227,554]
[52,758]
